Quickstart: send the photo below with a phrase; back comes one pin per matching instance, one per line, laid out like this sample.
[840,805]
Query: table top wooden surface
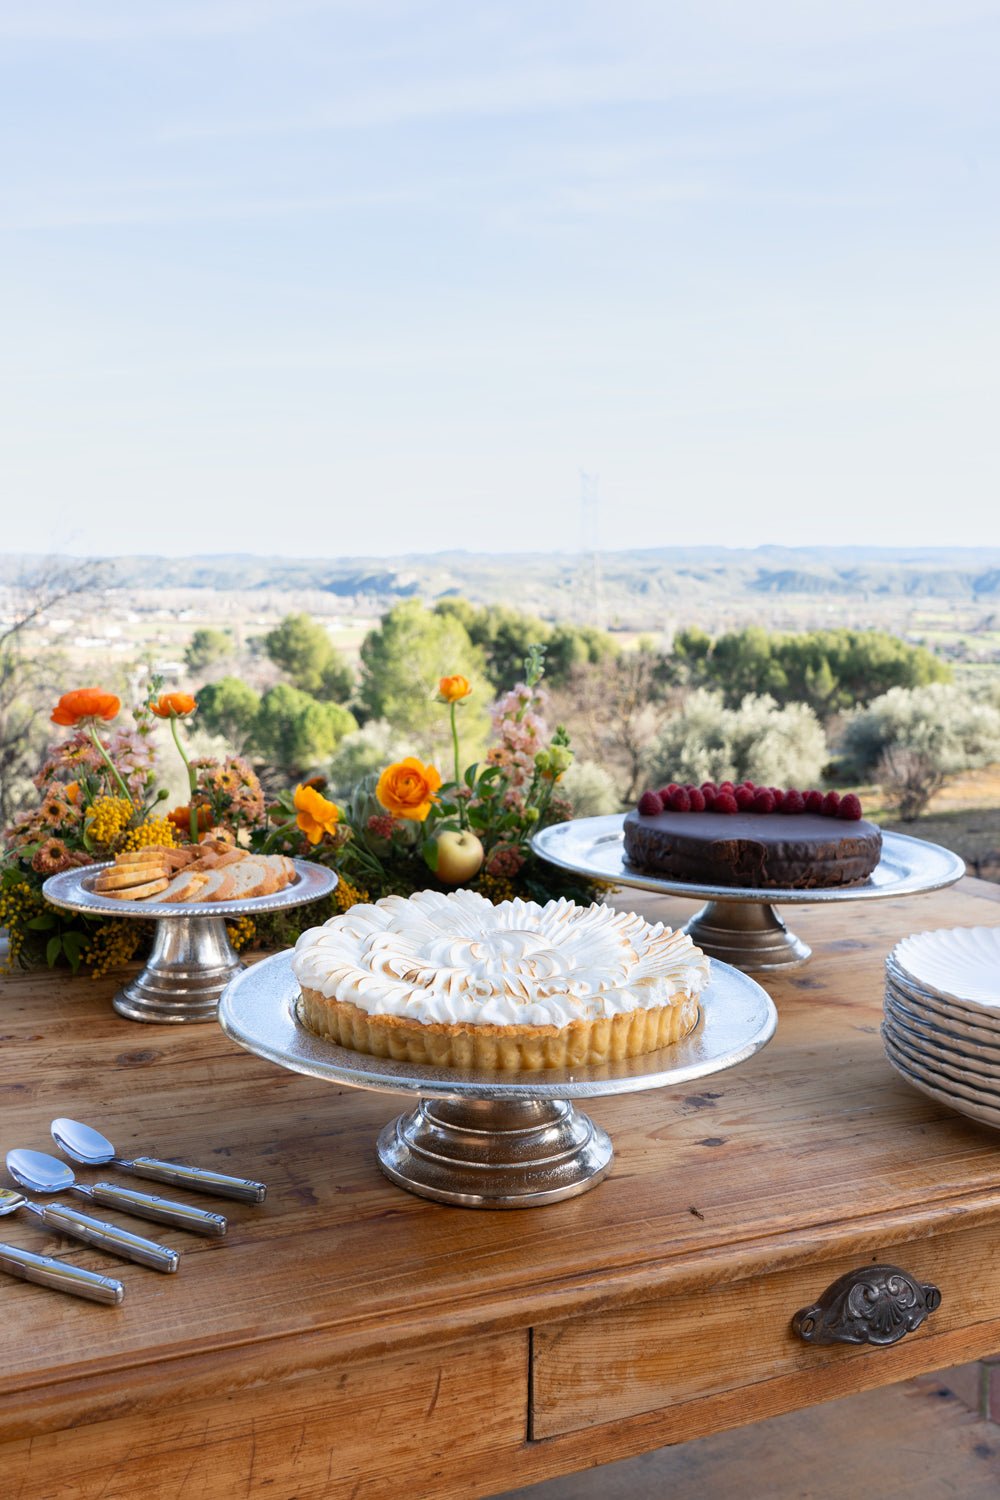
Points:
[812,1145]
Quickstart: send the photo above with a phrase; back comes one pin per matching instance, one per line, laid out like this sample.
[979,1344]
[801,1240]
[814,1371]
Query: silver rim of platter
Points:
[192,959]
[494,1140]
[741,926]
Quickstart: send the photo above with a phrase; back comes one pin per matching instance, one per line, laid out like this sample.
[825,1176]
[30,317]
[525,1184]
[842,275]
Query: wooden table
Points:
[351,1340]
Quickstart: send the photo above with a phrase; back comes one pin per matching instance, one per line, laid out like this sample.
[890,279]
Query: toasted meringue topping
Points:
[455,957]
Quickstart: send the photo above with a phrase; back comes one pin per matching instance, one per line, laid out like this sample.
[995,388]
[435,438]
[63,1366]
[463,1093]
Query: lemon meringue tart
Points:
[454,981]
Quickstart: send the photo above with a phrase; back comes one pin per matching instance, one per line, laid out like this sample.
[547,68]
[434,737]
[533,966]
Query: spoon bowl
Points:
[39,1172]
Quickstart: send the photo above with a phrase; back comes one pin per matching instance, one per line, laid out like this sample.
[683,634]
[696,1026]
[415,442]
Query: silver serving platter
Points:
[74,890]
[192,959]
[486,1139]
[739,925]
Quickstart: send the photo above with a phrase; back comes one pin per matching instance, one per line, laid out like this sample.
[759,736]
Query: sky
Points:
[341,277]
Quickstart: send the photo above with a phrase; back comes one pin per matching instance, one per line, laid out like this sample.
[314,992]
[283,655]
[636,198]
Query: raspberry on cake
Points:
[451,980]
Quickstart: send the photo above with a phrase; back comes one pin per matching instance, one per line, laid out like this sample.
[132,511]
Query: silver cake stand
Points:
[494,1140]
[192,959]
[741,926]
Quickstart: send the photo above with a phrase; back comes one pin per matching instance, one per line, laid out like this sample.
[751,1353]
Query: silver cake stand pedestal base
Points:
[495,1153]
[481,1139]
[192,960]
[749,934]
[741,926]
[191,963]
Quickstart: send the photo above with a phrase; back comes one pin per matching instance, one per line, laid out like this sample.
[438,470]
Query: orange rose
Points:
[453,688]
[173,706]
[316,814]
[85,703]
[407,788]
[72,790]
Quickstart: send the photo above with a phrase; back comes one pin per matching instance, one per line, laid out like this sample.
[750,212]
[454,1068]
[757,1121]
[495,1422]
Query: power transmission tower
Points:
[590,547]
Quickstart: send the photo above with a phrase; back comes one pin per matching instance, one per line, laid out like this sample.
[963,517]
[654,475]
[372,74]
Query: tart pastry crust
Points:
[581,1044]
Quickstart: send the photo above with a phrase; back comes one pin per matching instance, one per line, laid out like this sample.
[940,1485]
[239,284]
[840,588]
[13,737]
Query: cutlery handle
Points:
[197,1179]
[48,1271]
[108,1237]
[162,1210]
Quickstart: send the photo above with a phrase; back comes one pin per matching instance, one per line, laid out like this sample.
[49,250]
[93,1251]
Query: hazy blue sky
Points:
[317,277]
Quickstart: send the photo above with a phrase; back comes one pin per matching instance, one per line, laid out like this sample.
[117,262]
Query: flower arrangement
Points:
[408,828]
[98,797]
[400,831]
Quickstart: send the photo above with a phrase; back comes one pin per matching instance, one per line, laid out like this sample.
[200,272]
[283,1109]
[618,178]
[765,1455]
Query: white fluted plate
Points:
[959,1013]
[938,1031]
[958,1087]
[955,963]
[961,1067]
[985,1114]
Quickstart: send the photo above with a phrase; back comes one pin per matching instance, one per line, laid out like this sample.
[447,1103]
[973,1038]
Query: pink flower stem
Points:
[110,763]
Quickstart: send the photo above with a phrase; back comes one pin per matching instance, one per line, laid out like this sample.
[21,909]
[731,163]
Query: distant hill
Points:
[636,584]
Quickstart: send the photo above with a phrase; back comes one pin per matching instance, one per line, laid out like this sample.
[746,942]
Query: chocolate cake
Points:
[778,846]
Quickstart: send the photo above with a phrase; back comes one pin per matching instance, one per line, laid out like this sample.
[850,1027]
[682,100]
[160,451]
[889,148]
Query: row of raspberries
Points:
[727,798]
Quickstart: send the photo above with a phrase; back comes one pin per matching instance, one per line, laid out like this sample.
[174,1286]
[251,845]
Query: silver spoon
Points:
[41,1173]
[84,1144]
[92,1231]
[47,1271]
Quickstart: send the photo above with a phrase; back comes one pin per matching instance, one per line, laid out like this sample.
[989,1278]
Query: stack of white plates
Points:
[941,1026]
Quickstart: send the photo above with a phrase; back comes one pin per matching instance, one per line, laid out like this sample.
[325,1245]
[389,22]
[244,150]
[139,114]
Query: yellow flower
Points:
[107,819]
[347,895]
[316,814]
[155,833]
[453,688]
[407,789]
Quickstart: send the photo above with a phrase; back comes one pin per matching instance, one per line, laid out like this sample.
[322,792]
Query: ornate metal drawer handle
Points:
[872,1305]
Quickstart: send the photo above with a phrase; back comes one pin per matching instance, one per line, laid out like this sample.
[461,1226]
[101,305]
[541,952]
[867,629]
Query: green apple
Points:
[460,856]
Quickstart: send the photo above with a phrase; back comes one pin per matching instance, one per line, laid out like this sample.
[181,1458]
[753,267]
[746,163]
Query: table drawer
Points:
[697,1345]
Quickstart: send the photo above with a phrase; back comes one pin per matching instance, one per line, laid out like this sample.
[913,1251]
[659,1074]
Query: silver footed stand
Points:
[482,1139]
[497,1153]
[192,959]
[190,965]
[749,934]
[740,926]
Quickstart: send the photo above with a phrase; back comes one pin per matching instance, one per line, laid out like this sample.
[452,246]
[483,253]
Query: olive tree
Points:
[758,740]
[913,739]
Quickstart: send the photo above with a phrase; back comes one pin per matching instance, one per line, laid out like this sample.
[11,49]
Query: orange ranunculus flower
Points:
[315,814]
[407,788]
[180,818]
[85,703]
[173,706]
[453,688]
[72,791]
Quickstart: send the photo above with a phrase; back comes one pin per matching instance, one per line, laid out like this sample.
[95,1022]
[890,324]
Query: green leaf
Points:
[42,923]
[470,774]
[429,850]
[73,948]
[53,948]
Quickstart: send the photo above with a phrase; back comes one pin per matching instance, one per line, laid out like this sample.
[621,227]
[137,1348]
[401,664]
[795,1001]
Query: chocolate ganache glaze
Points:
[802,852]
